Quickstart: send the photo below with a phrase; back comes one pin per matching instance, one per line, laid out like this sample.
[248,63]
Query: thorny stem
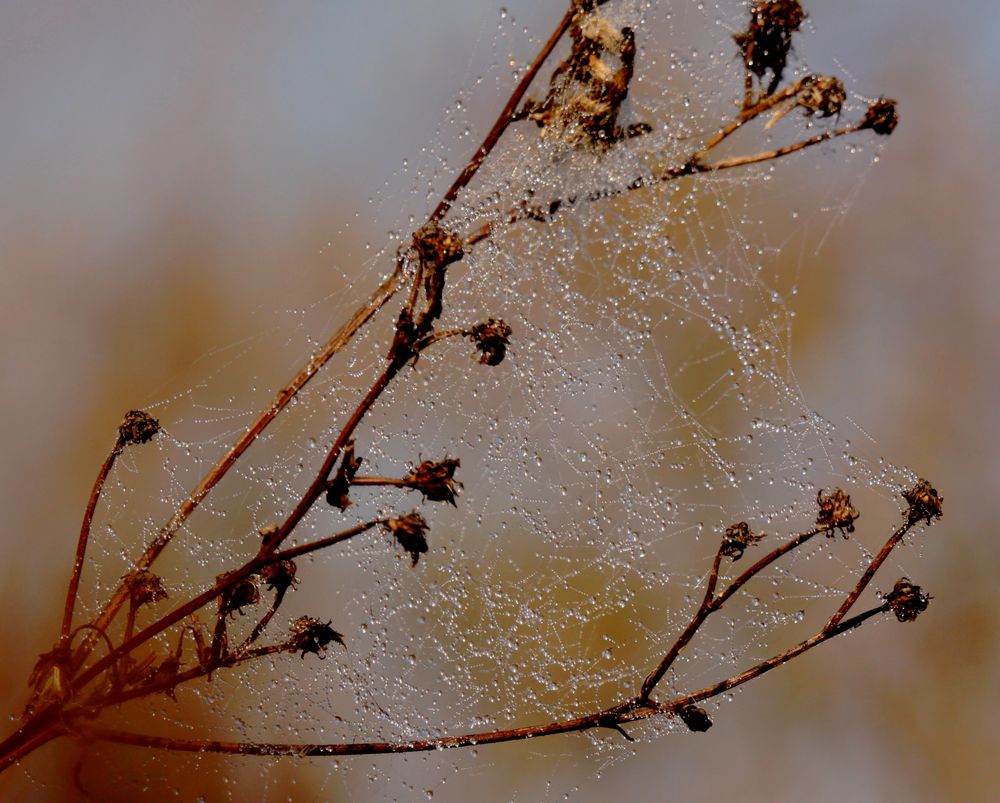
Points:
[81,544]
[613,717]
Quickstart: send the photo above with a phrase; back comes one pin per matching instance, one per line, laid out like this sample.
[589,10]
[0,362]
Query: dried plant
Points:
[96,665]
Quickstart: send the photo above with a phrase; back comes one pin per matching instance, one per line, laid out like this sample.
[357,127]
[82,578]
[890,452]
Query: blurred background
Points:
[172,172]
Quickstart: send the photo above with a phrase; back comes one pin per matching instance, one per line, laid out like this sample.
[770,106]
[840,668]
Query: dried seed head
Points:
[491,338]
[436,481]
[245,592]
[737,538]
[410,533]
[924,503]
[907,600]
[836,512]
[437,246]
[144,587]
[337,492]
[821,94]
[768,39]
[138,427]
[881,117]
[311,635]
[279,576]
[695,718]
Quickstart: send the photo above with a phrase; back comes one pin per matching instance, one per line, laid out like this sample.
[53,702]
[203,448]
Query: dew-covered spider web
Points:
[649,399]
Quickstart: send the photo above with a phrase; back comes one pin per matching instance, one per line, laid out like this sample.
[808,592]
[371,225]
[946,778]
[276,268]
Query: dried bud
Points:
[245,592]
[821,94]
[144,587]
[836,512]
[311,635]
[907,600]
[138,427]
[924,503]
[436,481]
[881,117]
[279,576]
[737,538]
[410,533]
[492,338]
[695,718]
[767,41]
[50,679]
[268,536]
[338,489]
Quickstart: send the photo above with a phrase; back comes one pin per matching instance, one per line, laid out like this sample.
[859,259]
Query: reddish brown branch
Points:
[81,544]
[629,711]
[869,573]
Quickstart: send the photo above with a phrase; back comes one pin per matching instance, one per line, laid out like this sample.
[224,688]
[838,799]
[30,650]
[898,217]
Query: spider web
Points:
[648,401]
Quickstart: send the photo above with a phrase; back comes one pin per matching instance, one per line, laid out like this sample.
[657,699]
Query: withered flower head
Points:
[821,94]
[881,117]
[50,679]
[311,635]
[907,600]
[436,481]
[410,533]
[737,538]
[767,41]
[338,489]
[836,512]
[695,718]
[437,246]
[492,338]
[245,592]
[924,503]
[138,427]
[144,587]
[279,576]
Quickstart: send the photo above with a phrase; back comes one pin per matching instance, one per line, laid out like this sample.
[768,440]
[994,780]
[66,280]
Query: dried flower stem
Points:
[81,544]
[69,692]
[630,711]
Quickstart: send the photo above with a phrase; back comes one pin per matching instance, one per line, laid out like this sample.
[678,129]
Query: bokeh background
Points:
[168,171]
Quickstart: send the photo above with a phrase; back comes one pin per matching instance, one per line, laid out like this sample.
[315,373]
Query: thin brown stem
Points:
[746,115]
[81,544]
[221,586]
[688,633]
[869,573]
[335,344]
[762,564]
[628,711]
[776,153]
[505,117]
[691,167]
[711,603]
